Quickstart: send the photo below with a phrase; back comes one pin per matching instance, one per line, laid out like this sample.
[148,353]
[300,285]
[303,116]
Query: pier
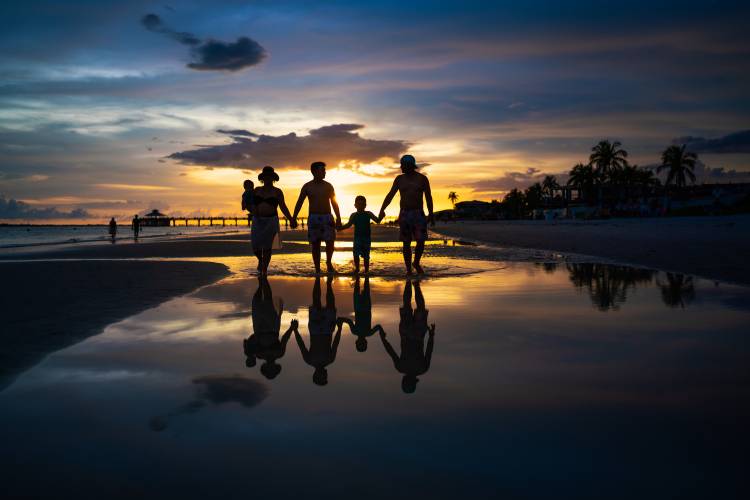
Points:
[210,221]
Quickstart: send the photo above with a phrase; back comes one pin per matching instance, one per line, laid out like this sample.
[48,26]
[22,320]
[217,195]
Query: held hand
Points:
[293,223]
[432,329]
[294,325]
[381,215]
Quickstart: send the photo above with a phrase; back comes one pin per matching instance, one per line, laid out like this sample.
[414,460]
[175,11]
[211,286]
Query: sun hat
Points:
[268,171]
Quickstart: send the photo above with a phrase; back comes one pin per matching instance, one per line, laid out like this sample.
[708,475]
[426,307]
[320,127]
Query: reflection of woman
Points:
[264,343]
[265,232]
[414,359]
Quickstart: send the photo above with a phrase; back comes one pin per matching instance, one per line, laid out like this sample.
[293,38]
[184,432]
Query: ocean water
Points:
[24,236]
[508,380]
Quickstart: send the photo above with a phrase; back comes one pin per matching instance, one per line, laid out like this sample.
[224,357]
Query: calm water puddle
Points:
[577,380]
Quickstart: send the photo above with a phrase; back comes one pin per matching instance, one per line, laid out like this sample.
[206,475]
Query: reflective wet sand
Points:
[565,379]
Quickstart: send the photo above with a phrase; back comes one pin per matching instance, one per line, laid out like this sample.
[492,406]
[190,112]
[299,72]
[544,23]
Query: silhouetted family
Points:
[264,201]
[267,343]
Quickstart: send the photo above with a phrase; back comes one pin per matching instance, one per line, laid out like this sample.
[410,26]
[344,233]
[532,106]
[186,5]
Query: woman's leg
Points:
[266,259]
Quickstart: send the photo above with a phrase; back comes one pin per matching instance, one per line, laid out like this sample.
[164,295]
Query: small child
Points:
[247,197]
[361,222]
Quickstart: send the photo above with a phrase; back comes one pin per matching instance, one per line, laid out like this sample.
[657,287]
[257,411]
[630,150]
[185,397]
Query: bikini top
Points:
[271,200]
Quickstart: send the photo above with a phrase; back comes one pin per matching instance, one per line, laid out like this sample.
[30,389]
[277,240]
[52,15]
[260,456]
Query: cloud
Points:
[512,180]
[332,144]
[704,173]
[240,131]
[737,142]
[211,55]
[13,209]
[152,22]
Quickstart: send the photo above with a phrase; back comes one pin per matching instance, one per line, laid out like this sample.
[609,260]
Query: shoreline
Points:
[52,305]
[713,247]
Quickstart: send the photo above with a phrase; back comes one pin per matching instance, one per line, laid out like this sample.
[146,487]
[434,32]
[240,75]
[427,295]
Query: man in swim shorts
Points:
[411,185]
[321,226]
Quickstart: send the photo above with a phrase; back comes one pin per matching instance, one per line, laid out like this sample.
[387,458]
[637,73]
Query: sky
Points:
[115,108]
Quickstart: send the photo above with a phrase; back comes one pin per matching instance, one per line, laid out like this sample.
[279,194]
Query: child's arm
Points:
[374,217]
[348,224]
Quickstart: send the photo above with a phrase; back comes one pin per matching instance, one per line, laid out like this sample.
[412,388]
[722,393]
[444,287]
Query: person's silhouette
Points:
[414,359]
[322,323]
[136,226]
[361,327]
[264,343]
[112,229]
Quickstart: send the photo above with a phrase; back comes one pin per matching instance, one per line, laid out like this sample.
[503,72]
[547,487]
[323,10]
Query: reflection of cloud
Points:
[211,54]
[14,209]
[332,144]
[737,142]
[217,390]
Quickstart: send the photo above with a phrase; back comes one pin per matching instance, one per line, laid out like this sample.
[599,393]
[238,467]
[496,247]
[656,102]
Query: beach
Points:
[711,247]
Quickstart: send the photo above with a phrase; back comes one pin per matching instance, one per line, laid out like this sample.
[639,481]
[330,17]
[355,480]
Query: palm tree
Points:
[453,197]
[677,291]
[514,202]
[680,165]
[549,185]
[583,178]
[607,158]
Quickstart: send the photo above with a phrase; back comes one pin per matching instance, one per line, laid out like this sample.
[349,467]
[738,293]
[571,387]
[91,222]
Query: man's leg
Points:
[330,297]
[418,297]
[407,295]
[418,251]
[407,256]
[329,256]
[316,255]
[356,264]
[316,294]
[367,265]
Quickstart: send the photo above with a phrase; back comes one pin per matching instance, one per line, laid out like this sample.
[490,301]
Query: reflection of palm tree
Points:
[607,285]
[453,197]
[677,291]
[607,157]
[679,164]
[414,359]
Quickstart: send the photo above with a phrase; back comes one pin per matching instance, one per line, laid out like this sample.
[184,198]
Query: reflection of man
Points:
[414,359]
[320,223]
[411,185]
[361,327]
[264,343]
[322,323]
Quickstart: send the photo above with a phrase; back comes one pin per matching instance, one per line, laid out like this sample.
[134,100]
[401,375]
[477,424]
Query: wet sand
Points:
[711,247]
[51,305]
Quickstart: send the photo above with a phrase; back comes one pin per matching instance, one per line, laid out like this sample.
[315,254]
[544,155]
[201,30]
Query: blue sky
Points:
[105,113]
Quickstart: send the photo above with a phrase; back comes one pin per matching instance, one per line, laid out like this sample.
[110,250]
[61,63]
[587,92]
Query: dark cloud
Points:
[152,22]
[211,55]
[511,180]
[737,142]
[13,209]
[332,144]
[240,131]
[219,389]
[214,55]
[704,173]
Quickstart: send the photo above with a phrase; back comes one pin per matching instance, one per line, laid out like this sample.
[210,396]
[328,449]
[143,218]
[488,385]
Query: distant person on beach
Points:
[322,323]
[264,343]
[136,226]
[112,229]
[414,359]
[411,185]
[320,223]
[247,198]
[362,239]
[361,327]
[265,234]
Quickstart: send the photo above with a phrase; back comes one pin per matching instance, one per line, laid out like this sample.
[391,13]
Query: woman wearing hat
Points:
[265,232]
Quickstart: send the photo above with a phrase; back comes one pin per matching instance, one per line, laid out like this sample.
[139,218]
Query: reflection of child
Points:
[362,240]
[361,327]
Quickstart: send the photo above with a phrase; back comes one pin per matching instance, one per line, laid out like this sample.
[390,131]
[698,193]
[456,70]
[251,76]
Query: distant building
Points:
[155,218]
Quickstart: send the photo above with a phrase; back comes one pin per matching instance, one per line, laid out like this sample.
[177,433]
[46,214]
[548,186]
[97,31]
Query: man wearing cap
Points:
[411,185]
[320,223]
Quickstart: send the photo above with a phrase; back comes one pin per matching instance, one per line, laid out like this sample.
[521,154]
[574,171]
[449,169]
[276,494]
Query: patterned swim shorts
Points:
[361,248]
[320,227]
[412,225]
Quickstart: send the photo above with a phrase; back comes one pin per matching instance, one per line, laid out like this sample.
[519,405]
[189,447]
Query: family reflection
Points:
[414,359]
[321,324]
[264,343]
